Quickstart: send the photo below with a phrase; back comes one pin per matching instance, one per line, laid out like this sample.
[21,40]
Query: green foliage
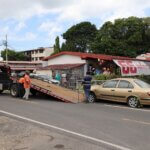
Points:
[14,56]
[108,77]
[105,77]
[145,78]
[56,46]
[124,37]
[63,47]
[79,37]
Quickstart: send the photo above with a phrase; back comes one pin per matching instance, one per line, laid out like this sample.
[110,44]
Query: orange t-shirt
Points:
[27,82]
[21,80]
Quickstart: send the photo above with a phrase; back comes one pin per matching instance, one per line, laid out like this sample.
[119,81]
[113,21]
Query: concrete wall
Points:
[66,59]
[37,54]
[48,51]
[44,63]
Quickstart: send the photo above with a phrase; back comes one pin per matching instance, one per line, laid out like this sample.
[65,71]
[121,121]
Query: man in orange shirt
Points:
[27,84]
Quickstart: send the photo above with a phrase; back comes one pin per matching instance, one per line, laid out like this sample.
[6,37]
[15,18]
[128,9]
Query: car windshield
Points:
[142,84]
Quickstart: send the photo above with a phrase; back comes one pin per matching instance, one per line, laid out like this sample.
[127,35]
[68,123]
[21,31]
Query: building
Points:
[76,63]
[39,53]
[144,56]
[95,63]
[19,66]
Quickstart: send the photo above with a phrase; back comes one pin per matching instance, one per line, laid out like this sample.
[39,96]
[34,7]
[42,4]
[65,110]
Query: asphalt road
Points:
[109,123]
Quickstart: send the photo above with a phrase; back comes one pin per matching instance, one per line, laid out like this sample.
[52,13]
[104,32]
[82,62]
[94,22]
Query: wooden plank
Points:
[60,92]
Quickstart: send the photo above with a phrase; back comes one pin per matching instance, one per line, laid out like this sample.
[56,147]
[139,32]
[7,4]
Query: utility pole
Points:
[6,44]
[6,51]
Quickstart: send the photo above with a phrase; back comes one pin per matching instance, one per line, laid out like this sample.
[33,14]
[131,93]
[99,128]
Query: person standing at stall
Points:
[27,84]
[87,85]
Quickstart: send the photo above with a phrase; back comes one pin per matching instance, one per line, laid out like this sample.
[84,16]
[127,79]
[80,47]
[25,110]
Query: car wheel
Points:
[14,90]
[1,91]
[133,102]
[91,98]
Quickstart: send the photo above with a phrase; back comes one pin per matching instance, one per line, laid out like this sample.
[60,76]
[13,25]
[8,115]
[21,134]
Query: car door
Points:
[123,90]
[107,90]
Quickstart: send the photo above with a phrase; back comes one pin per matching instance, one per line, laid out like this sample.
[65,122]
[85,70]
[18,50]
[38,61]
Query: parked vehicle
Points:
[5,81]
[134,92]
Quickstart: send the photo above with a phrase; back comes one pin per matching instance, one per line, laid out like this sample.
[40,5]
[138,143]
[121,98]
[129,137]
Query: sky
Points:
[31,24]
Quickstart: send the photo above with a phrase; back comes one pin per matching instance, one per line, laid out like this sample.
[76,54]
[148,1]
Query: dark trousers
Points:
[21,90]
[87,93]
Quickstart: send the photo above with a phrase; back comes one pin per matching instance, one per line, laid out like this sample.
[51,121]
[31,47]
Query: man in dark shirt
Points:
[87,85]
[20,86]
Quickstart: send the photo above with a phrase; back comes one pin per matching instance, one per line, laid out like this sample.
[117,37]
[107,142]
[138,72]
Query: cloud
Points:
[53,29]
[16,16]
[72,9]
[50,26]
[24,9]
[28,36]
[4,30]
[105,10]
[20,26]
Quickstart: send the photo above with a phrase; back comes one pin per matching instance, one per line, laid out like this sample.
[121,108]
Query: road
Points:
[110,124]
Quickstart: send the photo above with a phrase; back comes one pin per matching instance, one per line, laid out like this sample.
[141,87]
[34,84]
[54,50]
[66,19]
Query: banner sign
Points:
[133,67]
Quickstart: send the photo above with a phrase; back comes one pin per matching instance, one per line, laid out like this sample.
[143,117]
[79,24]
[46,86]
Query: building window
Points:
[36,51]
[32,52]
[41,58]
[41,51]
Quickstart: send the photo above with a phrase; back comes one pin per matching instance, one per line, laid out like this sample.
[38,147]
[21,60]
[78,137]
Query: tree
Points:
[64,47]
[124,37]
[14,56]
[56,46]
[79,37]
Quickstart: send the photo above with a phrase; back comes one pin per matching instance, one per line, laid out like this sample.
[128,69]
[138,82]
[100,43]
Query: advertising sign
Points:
[133,67]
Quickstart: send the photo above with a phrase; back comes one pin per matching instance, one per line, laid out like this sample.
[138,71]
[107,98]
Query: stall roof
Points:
[86,56]
[20,62]
[61,66]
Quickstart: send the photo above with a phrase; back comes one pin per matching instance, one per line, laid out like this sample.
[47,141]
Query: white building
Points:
[39,53]
[144,56]
[76,62]
[65,61]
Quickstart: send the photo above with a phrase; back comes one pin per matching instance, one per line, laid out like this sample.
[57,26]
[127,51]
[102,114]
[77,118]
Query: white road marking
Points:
[137,109]
[136,121]
[67,131]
